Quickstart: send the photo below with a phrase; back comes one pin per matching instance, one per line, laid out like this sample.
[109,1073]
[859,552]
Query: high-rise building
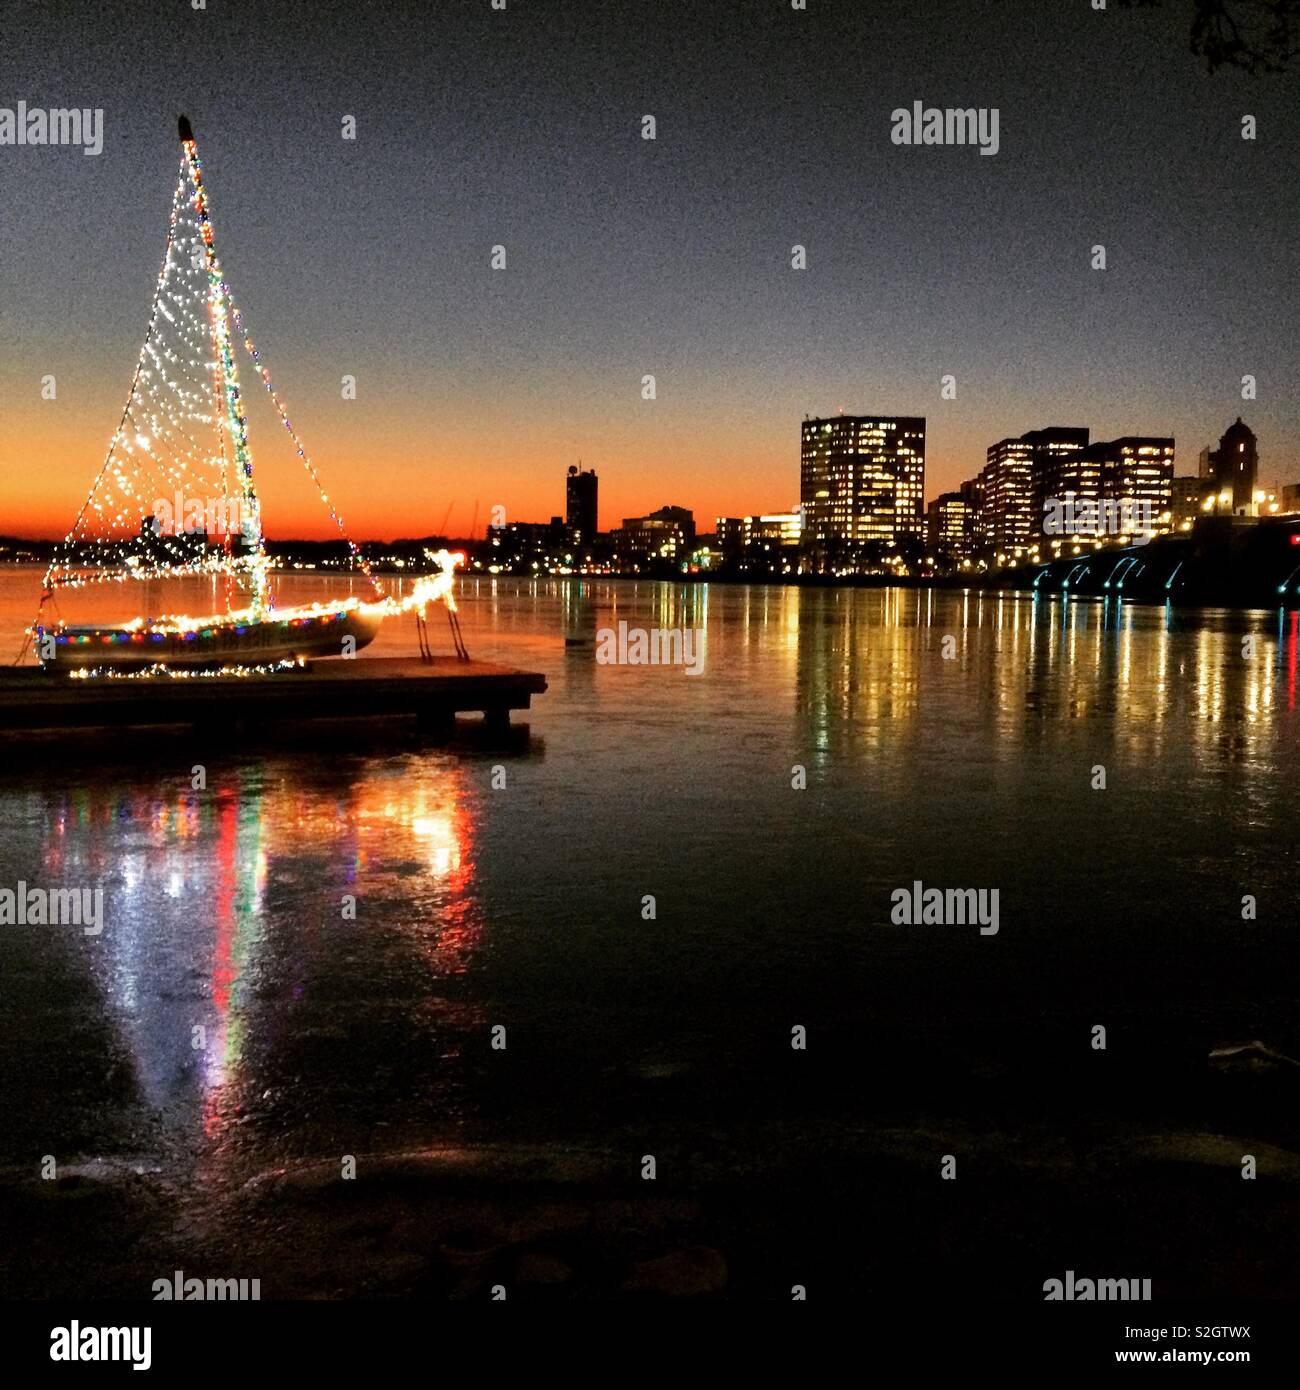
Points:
[1067,470]
[1051,488]
[1137,472]
[861,480]
[1017,481]
[972,493]
[1233,468]
[1007,487]
[580,504]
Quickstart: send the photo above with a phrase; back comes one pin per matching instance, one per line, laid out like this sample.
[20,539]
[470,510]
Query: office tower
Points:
[1137,474]
[1019,479]
[580,504]
[861,481]
[950,527]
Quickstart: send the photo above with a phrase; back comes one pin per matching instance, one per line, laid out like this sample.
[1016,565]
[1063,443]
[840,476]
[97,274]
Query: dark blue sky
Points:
[625,257]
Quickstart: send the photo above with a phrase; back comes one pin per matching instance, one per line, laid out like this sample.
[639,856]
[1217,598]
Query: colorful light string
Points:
[185,384]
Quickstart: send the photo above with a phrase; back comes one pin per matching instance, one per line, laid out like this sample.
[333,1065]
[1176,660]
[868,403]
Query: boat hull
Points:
[284,637]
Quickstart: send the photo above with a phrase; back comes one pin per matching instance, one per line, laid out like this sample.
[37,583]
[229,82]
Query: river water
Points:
[235,1018]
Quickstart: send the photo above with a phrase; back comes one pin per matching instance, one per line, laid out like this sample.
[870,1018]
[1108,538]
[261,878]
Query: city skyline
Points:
[627,257]
[561,504]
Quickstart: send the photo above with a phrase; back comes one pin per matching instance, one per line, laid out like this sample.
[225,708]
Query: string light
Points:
[183,432]
[427,590]
[160,671]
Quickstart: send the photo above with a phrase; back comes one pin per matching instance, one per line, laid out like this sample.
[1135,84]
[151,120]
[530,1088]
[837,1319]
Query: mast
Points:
[226,383]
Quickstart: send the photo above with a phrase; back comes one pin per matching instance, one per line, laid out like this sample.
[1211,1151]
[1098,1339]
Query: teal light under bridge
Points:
[1080,570]
[1130,571]
[1130,561]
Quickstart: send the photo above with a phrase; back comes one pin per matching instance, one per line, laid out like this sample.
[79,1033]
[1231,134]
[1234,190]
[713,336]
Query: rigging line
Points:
[264,373]
[227,394]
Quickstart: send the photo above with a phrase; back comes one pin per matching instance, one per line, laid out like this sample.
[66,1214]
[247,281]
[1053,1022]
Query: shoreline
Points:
[847,1200]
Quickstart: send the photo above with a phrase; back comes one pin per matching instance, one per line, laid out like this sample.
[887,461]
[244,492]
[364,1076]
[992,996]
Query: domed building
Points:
[1232,469]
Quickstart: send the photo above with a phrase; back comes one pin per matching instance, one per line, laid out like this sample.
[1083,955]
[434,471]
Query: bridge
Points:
[1222,560]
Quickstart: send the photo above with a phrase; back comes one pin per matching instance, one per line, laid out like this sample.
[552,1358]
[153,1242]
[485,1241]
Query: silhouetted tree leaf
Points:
[1256,36]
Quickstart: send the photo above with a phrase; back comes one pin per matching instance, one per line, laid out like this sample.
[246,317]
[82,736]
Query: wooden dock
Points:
[366,688]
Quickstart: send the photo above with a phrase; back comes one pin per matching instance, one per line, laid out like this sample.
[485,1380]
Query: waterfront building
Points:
[1067,475]
[526,544]
[950,532]
[763,544]
[664,535]
[1137,473]
[1019,477]
[1051,490]
[1232,469]
[770,530]
[861,487]
[581,514]
[1189,498]
[972,493]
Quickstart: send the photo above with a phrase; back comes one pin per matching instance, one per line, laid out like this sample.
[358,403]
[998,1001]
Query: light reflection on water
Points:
[225,907]
[237,912]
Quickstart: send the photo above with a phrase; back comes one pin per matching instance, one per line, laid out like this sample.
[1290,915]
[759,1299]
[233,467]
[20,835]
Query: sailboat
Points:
[184,435]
